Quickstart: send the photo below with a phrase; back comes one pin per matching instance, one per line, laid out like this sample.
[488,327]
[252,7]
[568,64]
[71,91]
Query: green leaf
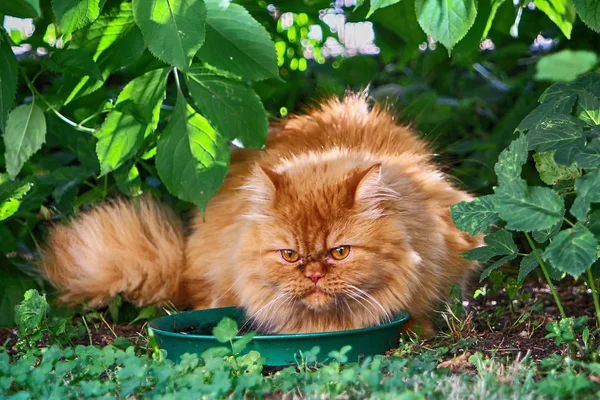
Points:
[475,216]
[447,21]
[192,158]
[511,160]
[497,244]
[25,134]
[377,4]
[588,108]
[590,155]
[145,313]
[13,285]
[20,8]
[114,40]
[543,235]
[486,272]
[561,12]
[562,133]
[128,181]
[240,344]
[75,14]
[551,172]
[237,43]
[589,12]
[565,65]
[573,250]
[134,116]
[173,29]
[65,178]
[233,108]
[495,5]
[528,264]
[11,194]
[526,208]
[8,78]
[587,188]
[550,107]
[31,312]
[74,62]
[225,330]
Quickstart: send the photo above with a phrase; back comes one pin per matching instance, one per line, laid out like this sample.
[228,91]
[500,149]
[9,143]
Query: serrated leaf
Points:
[528,264]
[8,79]
[499,263]
[173,30]
[377,4]
[65,178]
[543,235]
[232,107]
[134,116]
[11,194]
[76,14]
[25,134]
[20,8]
[562,133]
[113,40]
[587,188]
[589,157]
[589,12]
[30,313]
[475,216]
[225,330]
[573,250]
[588,108]
[510,162]
[551,172]
[565,65]
[499,243]
[495,5]
[192,158]
[561,12]
[447,21]
[74,62]
[128,181]
[552,106]
[526,208]
[237,43]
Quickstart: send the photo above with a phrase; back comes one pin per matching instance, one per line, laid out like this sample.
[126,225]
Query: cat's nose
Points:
[314,276]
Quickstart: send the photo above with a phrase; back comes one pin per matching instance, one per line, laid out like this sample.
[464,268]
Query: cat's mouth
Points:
[318,300]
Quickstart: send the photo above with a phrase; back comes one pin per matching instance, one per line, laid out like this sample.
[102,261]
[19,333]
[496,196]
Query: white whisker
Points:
[387,315]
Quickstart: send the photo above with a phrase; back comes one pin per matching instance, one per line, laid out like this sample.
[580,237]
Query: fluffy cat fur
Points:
[340,175]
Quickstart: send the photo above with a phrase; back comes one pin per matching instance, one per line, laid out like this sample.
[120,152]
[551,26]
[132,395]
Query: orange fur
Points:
[340,175]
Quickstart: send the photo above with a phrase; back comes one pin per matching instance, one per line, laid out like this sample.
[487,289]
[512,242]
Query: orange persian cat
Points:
[343,221]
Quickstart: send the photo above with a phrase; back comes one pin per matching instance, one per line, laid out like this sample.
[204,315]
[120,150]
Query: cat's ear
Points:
[260,190]
[366,183]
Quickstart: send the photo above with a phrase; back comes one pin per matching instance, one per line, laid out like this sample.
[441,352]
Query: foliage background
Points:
[468,104]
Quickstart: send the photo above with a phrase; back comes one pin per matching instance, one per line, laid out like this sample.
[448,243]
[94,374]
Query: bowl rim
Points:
[398,318]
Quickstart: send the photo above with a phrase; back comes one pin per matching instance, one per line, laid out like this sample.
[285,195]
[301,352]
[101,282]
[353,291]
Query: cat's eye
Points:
[340,253]
[289,255]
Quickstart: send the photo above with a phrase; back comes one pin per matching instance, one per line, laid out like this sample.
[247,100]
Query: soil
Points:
[490,327]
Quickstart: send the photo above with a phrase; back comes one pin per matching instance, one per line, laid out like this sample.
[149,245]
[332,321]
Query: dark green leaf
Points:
[173,29]
[145,313]
[511,160]
[590,155]
[562,133]
[11,194]
[587,188]
[65,178]
[551,172]
[236,42]
[499,243]
[75,14]
[565,65]
[495,5]
[499,263]
[225,330]
[192,158]
[74,62]
[128,181]
[588,108]
[550,107]
[446,21]
[377,4]
[475,216]
[8,78]
[561,12]
[573,250]
[134,116]
[589,12]
[232,107]
[526,208]
[25,134]
[13,286]
[30,313]
[20,8]
[528,264]
[543,235]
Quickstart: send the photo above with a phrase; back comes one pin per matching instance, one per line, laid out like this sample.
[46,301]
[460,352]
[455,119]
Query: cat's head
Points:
[326,239]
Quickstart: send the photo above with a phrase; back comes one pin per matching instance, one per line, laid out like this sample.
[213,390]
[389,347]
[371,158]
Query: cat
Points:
[340,223]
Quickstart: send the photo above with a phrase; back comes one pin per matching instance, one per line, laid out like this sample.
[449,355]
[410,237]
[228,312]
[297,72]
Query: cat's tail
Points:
[134,248]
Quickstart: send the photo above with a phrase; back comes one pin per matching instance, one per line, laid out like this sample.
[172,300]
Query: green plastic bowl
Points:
[279,350]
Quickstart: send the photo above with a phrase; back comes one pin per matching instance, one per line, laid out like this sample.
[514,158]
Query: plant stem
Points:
[35,92]
[592,286]
[547,276]
[176,75]
[569,222]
